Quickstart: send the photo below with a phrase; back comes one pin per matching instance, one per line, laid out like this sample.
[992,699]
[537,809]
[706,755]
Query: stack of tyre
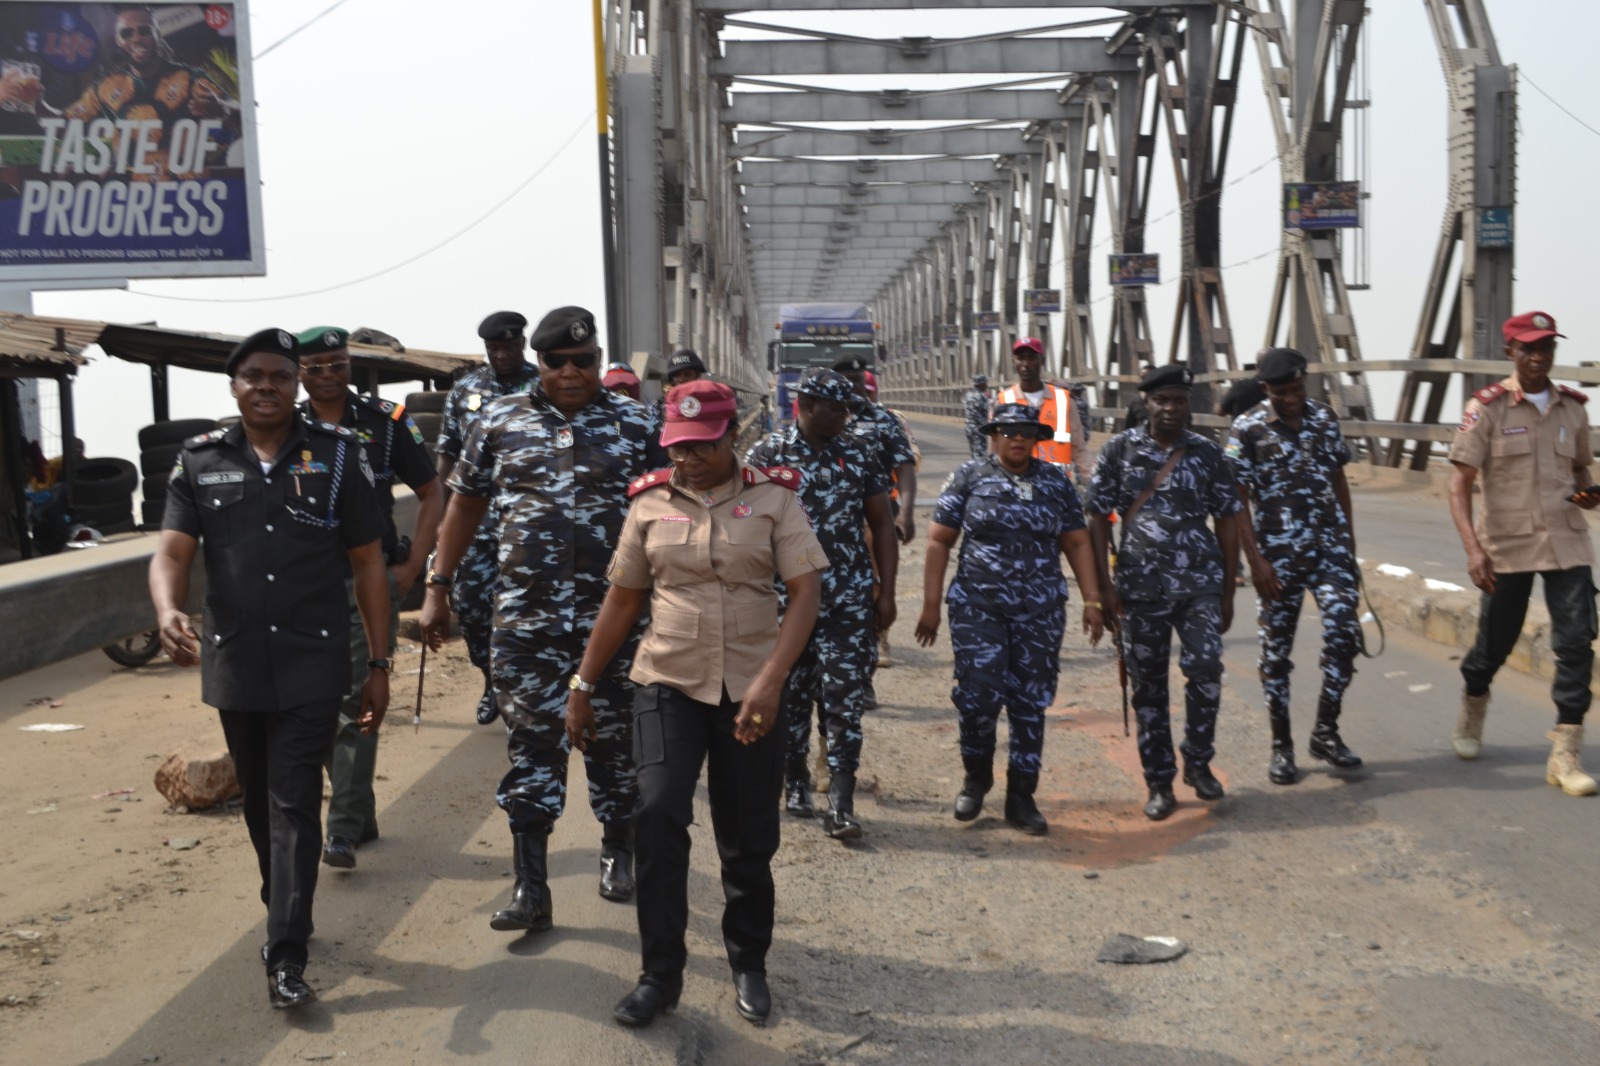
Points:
[426,410]
[159,445]
[102,495]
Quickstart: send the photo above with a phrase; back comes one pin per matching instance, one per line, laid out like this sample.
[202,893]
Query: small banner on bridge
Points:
[1496,227]
[127,142]
[1322,205]
[1041,301]
[1141,269]
[951,332]
[986,321]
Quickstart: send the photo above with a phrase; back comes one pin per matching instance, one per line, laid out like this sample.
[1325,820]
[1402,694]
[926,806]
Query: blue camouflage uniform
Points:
[1303,532]
[833,670]
[472,596]
[1007,604]
[1169,577]
[885,438]
[975,413]
[560,490]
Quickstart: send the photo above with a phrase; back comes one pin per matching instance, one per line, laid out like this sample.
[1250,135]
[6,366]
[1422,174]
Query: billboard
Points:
[1322,205]
[987,321]
[1041,301]
[127,141]
[1496,227]
[951,332]
[1140,269]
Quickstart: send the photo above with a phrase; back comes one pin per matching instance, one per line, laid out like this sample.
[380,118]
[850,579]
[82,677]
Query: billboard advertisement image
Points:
[1141,269]
[127,141]
[1322,205]
[1041,301]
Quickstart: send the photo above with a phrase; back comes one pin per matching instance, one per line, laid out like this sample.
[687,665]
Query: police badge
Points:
[564,437]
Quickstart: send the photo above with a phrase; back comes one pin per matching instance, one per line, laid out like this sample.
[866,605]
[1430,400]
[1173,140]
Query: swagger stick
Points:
[422,674]
[1122,676]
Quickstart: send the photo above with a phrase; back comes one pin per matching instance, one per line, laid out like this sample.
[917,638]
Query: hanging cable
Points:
[1523,75]
[386,270]
[303,26]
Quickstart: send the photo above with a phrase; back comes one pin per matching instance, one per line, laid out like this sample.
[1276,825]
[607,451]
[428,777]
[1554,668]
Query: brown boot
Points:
[1468,740]
[1563,768]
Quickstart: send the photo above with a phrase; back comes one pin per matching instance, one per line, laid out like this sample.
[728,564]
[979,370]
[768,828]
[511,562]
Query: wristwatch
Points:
[444,581]
[578,684]
[386,665]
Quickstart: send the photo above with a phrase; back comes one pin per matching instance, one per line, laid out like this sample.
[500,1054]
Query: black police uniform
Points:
[274,657]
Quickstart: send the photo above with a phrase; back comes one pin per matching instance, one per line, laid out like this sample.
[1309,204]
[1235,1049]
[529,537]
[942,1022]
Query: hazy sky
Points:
[385,128]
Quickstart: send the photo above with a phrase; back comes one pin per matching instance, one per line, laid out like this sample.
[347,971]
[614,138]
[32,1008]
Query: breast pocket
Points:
[219,505]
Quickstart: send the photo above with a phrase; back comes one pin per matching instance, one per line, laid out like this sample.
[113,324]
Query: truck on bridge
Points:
[816,334]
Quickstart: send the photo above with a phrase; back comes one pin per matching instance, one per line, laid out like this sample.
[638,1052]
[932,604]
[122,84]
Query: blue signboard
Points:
[1322,205]
[1041,301]
[1495,227]
[987,321]
[1141,269]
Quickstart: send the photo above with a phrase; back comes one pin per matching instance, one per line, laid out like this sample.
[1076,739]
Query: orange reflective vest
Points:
[1055,412]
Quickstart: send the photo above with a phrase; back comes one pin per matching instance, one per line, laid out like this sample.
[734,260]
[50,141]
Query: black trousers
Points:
[278,756]
[672,736]
[1569,595]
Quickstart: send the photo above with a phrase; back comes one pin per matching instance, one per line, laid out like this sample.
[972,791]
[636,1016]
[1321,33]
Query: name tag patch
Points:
[221,477]
[1511,431]
[674,518]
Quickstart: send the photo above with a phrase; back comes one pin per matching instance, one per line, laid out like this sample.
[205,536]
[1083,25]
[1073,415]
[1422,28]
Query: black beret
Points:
[502,326]
[1171,376]
[684,359]
[565,327]
[1279,366]
[274,340]
[850,363]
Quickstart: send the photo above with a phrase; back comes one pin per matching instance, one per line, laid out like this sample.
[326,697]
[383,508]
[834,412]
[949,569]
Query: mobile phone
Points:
[1585,494]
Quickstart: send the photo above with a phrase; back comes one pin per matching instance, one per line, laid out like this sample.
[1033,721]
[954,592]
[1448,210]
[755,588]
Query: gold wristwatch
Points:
[578,684]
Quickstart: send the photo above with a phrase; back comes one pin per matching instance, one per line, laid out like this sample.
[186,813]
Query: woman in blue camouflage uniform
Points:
[1015,515]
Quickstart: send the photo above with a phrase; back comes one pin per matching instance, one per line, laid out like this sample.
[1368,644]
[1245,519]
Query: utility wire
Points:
[304,25]
[390,269]
[1523,76]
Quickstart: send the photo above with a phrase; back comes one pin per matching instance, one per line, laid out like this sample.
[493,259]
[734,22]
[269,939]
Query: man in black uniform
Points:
[508,371]
[285,509]
[394,450]
[683,366]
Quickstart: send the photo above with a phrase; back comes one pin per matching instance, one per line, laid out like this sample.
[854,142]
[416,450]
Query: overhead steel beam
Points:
[886,141]
[825,195]
[890,106]
[860,213]
[761,245]
[862,255]
[920,55]
[846,171]
[728,7]
[762,231]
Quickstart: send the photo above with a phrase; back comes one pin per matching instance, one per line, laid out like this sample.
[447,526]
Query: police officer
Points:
[1529,441]
[683,366]
[1289,458]
[508,372]
[845,490]
[702,545]
[1173,575]
[874,424]
[285,510]
[1018,514]
[557,462]
[394,450]
[1057,411]
[975,415]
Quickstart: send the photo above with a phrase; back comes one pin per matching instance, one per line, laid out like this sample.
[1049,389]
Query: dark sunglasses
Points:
[316,370]
[127,33]
[1013,432]
[555,360]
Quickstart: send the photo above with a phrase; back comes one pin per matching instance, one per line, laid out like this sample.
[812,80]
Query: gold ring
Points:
[756,718]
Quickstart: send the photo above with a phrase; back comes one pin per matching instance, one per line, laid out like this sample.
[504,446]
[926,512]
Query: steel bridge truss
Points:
[761,159]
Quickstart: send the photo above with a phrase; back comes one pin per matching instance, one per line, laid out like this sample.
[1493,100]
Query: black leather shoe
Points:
[797,798]
[616,861]
[1021,811]
[1162,803]
[1203,781]
[1327,746]
[339,853]
[1282,770]
[647,1000]
[369,833]
[530,909]
[287,989]
[976,783]
[840,820]
[752,997]
[488,706]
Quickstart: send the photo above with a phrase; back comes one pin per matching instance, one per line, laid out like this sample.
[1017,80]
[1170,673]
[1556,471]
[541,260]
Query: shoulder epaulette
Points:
[648,481]
[387,408]
[787,476]
[205,438]
[1490,393]
[1569,391]
[332,429]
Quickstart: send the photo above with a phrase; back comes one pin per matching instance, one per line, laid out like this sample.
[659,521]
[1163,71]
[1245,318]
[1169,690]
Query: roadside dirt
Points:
[1317,933]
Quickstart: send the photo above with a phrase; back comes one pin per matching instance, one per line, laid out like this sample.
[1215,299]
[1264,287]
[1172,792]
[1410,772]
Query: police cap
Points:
[1279,366]
[684,359]
[565,327]
[850,364]
[1016,414]
[274,340]
[825,384]
[980,380]
[502,326]
[1171,376]
[323,340]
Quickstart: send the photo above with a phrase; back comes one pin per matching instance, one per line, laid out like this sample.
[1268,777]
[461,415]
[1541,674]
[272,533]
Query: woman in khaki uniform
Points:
[702,544]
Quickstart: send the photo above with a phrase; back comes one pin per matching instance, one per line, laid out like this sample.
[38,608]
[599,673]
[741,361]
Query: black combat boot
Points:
[1281,770]
[1162,803]
[976,785]
[840,821]
[488,706]
[530,909]
[616,860]
[1199,777]
[1325,743]
[797,788]
[1020,808]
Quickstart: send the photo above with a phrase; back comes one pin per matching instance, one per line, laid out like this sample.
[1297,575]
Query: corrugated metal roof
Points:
[208,351]
[35,342]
